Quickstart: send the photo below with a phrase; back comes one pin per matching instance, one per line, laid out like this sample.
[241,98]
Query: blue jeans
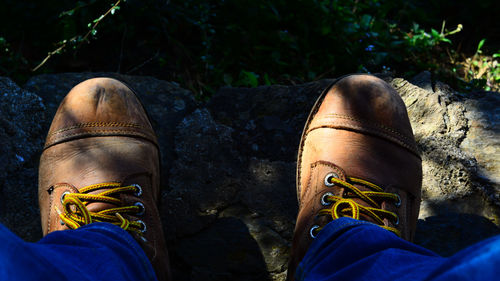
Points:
[98,251]
[346,249]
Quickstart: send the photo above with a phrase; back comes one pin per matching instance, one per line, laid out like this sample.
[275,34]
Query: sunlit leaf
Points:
[480,45]
[248,78]
[446,40]
[435,33]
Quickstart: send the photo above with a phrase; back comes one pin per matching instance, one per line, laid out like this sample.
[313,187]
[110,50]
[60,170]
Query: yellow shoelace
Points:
[76,214]
[346,207]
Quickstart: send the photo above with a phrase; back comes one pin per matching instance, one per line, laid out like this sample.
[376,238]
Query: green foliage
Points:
[292,41]
[77,40]
[418,38]
[205,44]
[247,79]
[10,62]
[482,71]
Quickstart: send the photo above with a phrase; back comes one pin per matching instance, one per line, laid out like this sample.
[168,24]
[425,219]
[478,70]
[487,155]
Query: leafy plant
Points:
[10,62]
[247,79]
[77,40]
[204,44]
[481,70]
[419,38]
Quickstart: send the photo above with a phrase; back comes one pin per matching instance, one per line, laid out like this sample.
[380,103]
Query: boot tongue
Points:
[99,206]
[362,202]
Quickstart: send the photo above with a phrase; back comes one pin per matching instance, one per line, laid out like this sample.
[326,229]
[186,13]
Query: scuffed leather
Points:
[359,127]
[101,133]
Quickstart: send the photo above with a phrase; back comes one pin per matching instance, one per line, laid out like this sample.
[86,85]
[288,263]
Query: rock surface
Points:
[458,136]
[228,167]
[21,137]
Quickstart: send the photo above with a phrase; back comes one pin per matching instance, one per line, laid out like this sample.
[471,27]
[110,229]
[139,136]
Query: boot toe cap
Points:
[99,107]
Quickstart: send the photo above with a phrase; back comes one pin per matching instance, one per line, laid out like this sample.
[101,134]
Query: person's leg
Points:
[348,249]
[358,185]
[100,163]
[98,251]
[357,158]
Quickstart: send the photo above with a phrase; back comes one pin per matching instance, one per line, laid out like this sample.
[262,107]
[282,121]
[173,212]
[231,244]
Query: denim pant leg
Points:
[348,249]
[98,251]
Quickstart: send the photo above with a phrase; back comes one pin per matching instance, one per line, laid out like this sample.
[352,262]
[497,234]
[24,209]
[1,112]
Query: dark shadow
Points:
[454,224]
[225,251]
[450,233]
[24,218]
[268,120]
[222,250]
[267,123]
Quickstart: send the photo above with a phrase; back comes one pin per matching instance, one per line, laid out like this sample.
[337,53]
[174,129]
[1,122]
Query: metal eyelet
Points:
[141,207]
[323,199]
[311,232]
[143,229]
[139,189]
[397,204]
[64,194]
[329,177]
[397,220]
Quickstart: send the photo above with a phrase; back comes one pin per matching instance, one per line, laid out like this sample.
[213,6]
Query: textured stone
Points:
[439,126]
[267,120]
[483,137]
[227,189]
[21,133]
[228,199]
[459,145]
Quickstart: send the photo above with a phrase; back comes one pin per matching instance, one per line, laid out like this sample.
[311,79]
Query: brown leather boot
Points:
[357,158]
[102,143]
